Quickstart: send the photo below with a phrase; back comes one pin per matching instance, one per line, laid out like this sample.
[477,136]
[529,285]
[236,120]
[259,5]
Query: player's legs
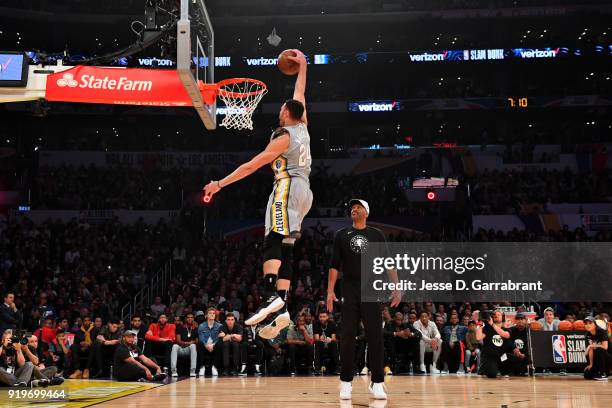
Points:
[298,203]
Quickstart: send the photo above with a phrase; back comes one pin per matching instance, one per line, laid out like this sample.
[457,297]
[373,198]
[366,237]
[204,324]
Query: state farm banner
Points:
[130,86]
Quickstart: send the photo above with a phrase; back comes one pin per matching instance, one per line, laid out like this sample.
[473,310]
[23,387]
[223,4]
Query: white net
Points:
[240,99]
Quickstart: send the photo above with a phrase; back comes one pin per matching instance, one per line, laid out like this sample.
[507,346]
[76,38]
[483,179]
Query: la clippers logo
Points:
[67,80]
[559,349]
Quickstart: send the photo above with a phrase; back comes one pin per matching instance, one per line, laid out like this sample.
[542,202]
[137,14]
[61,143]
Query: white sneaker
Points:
[273,329]
[364,371]
[433,370]
[422,368]
[174,373]
[192,373]
[215,373]
[202,371]
[378,391]
[346,388]
[273,304]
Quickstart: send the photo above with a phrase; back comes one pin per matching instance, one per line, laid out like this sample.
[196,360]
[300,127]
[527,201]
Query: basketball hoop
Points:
[240,96]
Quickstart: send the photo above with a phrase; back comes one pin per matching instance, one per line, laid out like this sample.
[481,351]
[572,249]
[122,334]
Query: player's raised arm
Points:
[299,90]
[274,149]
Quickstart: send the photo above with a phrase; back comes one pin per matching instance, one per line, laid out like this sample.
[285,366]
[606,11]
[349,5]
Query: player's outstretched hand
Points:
[331,298]
[299,58]
[211,189]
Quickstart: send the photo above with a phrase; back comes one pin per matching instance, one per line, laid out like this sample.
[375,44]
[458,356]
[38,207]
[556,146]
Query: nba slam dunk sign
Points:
[559,349]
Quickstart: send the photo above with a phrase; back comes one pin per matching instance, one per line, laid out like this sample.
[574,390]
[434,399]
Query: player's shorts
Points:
[288,204]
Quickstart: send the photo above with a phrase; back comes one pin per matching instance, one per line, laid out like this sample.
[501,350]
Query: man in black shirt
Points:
[349,244]
[600,361]
[518,346]
[186,345]
[492,336]
[401,339]
[9,316]
[324,332]
[137,325]
[131,364]
[231,336]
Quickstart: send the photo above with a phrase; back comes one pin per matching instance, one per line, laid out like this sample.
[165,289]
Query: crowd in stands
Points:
[503,192]
[492,192]
[196,325]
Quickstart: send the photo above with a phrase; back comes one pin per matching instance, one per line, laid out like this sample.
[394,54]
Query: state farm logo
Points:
[93,82]
[67,80]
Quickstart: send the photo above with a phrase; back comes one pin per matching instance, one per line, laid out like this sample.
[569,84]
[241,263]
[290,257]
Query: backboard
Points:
[195,51]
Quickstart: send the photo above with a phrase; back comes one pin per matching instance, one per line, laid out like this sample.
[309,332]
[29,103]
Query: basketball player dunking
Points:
[289,154]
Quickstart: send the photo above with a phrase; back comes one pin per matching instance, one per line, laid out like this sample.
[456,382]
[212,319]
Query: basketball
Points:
[564,325]
[536,326]
[287,66]
[579,325]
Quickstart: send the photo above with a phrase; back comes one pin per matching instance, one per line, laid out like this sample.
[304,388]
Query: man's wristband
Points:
[219,184]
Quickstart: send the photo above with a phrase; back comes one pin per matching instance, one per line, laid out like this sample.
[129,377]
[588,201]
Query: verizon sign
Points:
[117,86]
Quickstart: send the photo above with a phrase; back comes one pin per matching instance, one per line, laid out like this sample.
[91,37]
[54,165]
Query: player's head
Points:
[291,111]
[360,210]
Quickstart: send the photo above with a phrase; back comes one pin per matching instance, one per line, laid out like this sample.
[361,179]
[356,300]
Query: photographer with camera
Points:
[492,336]
[15,371]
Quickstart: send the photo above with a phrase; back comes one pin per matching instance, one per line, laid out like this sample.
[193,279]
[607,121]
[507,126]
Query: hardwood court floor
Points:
[403,391]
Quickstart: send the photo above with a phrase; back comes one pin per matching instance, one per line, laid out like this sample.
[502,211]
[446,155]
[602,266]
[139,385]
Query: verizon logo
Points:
[93,82]
[539,53]
[376,107]
[426,57]
[261,61]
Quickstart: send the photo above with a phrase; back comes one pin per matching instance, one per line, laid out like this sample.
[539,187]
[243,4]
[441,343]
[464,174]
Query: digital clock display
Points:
[520,102]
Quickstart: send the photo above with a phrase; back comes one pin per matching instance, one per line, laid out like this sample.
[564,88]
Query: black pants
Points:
[602,363]
[130,372]
[370,313]
[206,358]
[257,348]
[235,349]
[321,348]
[451,356]
[405,350]
[360,346]
[77,354]
[515,365]
[161,350]
[305,351]
[103,356]
[491,365]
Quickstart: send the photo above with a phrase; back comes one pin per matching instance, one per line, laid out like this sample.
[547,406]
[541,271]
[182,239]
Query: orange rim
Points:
[231,81]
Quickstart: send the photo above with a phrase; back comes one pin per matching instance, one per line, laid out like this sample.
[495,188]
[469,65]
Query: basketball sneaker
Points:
[346,389]
[272,329]
[378,391]
[273,304]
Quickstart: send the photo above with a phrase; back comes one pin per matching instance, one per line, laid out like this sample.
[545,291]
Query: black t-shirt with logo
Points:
[600,336]
[124,352]
[518,339]
[349,244]
[493,343]
[237,329]
[327,331]
[187,334]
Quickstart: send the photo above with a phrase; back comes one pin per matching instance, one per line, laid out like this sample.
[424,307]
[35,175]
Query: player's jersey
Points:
[296,160]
